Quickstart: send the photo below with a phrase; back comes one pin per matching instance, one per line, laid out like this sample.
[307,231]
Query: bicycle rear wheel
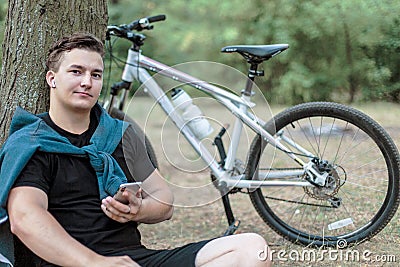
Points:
[364,191]
[118,114]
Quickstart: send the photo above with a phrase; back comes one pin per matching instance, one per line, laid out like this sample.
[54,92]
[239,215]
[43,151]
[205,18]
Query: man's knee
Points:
[236,250]
[255,239]
[255,250]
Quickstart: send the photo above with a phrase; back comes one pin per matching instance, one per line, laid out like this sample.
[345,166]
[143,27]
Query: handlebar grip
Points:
[142,24]
[156,18]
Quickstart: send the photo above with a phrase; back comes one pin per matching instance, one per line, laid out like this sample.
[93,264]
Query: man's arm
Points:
[152,204]
[40,232]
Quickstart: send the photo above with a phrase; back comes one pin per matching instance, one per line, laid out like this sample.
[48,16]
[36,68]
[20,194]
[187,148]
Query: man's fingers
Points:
[114,214]
[122,212]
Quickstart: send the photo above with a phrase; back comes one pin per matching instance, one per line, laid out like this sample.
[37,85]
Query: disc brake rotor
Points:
[329,190]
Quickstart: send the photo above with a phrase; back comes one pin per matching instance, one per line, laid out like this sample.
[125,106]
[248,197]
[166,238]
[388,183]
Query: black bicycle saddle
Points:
[256,53]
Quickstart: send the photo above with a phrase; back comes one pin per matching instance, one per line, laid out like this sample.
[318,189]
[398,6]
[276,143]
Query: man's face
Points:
[78,80]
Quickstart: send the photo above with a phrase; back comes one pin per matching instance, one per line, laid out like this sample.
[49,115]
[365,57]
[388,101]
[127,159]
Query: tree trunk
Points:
[31,27]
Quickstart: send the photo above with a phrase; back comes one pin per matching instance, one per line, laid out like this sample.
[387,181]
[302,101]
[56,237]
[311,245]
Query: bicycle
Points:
[303,190]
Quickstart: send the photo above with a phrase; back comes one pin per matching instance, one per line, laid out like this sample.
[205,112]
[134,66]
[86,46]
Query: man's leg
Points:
[235,250]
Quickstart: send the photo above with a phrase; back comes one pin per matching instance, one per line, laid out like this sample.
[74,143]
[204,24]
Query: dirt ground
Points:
[199,212]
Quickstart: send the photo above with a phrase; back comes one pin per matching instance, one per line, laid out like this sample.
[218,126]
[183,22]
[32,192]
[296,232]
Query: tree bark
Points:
[31,27]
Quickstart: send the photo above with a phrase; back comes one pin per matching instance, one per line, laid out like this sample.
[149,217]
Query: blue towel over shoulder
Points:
[29,133]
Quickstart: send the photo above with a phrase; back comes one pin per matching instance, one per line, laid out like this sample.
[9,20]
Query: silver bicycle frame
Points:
[136,68]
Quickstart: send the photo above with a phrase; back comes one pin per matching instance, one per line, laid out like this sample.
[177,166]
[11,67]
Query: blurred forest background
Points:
[344,51]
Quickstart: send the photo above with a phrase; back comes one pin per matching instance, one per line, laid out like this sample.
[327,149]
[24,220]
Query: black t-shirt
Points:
[71,185]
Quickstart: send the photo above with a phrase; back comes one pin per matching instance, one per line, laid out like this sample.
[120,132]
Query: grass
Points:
[199,213]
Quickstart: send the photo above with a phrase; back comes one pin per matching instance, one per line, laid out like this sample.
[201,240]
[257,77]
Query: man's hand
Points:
[123,212]
[153,202]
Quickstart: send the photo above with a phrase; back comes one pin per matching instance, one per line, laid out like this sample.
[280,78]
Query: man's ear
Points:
[50,78]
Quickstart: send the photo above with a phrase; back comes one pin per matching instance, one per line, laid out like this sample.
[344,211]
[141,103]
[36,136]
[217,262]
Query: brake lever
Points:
[120,31]
[144,23]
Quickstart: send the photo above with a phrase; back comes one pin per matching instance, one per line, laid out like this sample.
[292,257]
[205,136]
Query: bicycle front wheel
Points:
[362,192]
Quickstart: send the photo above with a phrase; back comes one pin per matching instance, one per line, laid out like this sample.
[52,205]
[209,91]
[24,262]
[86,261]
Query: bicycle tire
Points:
[365,152]
[118,114]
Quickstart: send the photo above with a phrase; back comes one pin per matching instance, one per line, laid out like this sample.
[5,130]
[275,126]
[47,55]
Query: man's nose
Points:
[86,81]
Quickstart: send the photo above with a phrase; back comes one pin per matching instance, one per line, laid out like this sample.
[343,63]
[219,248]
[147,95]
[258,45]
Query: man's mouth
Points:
[84,94]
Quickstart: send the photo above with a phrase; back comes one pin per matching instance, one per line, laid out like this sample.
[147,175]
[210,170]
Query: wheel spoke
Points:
[358,152]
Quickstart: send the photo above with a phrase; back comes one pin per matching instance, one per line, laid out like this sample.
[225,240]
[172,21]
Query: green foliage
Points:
[339,50]
[384,75]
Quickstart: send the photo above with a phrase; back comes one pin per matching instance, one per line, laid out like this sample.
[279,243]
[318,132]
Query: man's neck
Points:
[73,122]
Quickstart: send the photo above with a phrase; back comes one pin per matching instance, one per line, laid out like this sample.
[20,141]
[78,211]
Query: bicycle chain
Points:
[307,191]
[291,201]
[299,202]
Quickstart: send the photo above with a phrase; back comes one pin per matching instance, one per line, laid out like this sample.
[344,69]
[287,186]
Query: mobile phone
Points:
[132,187]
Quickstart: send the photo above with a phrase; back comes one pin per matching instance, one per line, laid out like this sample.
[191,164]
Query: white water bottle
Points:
[191,114]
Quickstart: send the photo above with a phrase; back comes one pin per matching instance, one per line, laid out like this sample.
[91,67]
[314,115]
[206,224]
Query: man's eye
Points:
[75,71]
[97,75]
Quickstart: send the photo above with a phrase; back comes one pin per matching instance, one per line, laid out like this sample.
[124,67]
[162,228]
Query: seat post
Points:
[251,76]
[252,71]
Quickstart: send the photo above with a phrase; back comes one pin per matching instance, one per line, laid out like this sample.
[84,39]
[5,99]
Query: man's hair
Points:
[67,43]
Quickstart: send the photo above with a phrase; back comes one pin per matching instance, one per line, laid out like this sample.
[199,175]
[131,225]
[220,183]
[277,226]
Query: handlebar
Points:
[125,30]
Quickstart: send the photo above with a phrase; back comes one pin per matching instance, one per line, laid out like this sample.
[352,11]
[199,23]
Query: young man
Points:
[60,204]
